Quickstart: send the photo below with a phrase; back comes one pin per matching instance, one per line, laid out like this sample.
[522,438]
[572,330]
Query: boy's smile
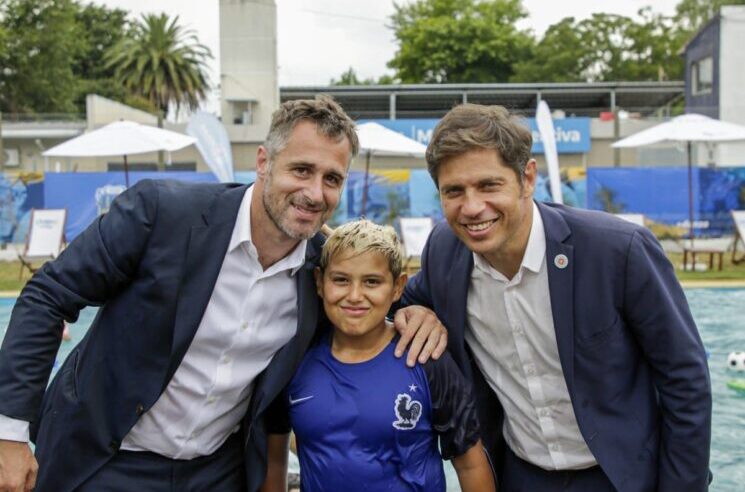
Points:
[357,292]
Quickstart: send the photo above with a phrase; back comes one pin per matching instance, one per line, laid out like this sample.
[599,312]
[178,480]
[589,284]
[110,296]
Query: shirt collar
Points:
[534,251]
[242,236]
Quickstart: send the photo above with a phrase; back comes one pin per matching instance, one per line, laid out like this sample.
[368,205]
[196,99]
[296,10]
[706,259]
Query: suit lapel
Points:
[208,243]
[561,286]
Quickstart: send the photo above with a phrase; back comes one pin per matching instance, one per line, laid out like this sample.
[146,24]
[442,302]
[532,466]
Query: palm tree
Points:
[162,62]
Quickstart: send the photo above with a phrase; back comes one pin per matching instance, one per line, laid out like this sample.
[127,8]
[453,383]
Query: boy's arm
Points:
[474,472]
[276,473]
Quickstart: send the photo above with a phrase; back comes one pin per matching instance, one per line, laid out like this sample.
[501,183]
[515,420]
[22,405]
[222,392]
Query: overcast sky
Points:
[320,39]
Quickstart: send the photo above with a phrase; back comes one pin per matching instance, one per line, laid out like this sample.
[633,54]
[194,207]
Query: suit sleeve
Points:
[656,309]
[93,268]
[454,415]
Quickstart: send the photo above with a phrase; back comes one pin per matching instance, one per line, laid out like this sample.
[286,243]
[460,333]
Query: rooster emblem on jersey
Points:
[407,411]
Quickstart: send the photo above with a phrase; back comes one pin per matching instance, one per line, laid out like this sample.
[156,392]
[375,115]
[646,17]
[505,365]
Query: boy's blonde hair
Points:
[363,236]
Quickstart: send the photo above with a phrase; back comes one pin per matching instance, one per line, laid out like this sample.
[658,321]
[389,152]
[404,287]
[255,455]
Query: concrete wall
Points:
[248,61]
[101,111]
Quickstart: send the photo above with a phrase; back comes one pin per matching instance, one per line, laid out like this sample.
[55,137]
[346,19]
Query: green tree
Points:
[161,62]
[101,28]
[349,77]
[36,75]
[605,47]
[691,15]
[441,41]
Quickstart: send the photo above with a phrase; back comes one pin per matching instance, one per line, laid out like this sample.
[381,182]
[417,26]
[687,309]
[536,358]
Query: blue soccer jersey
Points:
[374,425]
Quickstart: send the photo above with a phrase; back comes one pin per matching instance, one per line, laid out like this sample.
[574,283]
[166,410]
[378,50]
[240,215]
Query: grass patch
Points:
[729,271]
[9,280]
[9,276]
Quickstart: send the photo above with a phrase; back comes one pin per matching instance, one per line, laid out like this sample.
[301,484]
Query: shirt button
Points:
[545,413]
[195,434]
[518,330]
[530,370]
[211,400]
[554,447]
[244,325]
[139,409]
[225,359]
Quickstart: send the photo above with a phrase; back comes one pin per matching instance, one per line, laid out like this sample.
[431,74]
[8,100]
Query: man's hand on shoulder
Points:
[422,332]
[18,467]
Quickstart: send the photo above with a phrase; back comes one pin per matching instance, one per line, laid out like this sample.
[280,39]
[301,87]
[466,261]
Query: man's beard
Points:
[279,211]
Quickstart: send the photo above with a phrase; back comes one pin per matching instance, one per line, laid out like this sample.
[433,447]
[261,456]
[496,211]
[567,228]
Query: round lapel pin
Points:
[561,261]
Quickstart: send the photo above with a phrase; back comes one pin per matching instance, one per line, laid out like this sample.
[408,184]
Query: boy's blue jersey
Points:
[371,426]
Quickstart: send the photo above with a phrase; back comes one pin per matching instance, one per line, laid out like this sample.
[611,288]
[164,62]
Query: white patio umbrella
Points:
[375,139]
[121,138]
[688,128]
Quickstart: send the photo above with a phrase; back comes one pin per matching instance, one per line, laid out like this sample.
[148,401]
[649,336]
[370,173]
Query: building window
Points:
[702,76]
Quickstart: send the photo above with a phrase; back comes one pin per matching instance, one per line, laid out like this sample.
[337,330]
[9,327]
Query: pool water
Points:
[721,321]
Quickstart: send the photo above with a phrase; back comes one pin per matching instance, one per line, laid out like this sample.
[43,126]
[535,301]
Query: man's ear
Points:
[318,274]
[529,178]
[398,286]
[262,161]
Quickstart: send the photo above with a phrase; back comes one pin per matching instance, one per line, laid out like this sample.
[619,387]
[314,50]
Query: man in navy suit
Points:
[207,304]
[570,322]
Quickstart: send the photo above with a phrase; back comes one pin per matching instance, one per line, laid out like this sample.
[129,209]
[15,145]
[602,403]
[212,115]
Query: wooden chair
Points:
[45,240]
[414,234]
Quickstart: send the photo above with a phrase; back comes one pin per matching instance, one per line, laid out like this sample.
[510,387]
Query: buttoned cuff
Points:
[13,429]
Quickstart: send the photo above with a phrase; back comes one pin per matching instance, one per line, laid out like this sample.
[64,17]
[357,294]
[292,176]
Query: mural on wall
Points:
[19,194]
[658,193]
[661,194]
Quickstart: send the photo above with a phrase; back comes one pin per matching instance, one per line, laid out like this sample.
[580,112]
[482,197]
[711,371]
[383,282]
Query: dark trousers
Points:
[519,475]
[222,471]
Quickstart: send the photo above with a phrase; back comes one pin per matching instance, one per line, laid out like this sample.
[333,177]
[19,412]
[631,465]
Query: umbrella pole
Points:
[690,193]
[364,187]
[126,172]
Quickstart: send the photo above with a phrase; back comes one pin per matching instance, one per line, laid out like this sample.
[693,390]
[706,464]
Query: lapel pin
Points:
[561,261]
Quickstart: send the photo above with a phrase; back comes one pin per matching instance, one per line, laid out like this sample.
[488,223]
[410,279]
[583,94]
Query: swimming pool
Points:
[720,319]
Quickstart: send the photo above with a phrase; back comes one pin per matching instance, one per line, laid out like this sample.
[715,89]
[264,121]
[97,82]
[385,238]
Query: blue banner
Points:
[87,195]
[572,134]
[661,194]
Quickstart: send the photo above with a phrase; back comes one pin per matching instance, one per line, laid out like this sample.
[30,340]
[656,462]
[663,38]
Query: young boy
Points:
[362,418]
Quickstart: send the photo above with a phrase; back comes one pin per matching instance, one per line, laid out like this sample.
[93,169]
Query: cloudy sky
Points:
[320,39]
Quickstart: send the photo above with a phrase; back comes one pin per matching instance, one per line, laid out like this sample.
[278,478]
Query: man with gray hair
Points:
[207,304]
[570,322]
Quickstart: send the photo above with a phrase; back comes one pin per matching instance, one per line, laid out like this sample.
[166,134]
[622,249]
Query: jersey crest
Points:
[408,412]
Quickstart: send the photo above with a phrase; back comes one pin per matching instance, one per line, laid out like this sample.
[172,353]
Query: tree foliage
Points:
[691,15]
[605,47]
[36,74]
[445,41]
[350,77]
[101,28]
[161,62]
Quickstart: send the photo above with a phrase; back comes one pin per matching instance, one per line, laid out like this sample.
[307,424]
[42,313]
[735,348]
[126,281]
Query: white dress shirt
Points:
[251,314]
[510,331]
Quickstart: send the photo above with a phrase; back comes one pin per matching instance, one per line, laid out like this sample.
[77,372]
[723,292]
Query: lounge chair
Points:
[414,234]
[46,237]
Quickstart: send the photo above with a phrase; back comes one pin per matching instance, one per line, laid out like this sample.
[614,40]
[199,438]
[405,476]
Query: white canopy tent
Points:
[121,138]
[688,128]
[377,140]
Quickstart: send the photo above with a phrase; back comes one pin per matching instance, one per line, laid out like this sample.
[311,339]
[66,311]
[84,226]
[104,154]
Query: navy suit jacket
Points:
[151,263]
[631,355]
